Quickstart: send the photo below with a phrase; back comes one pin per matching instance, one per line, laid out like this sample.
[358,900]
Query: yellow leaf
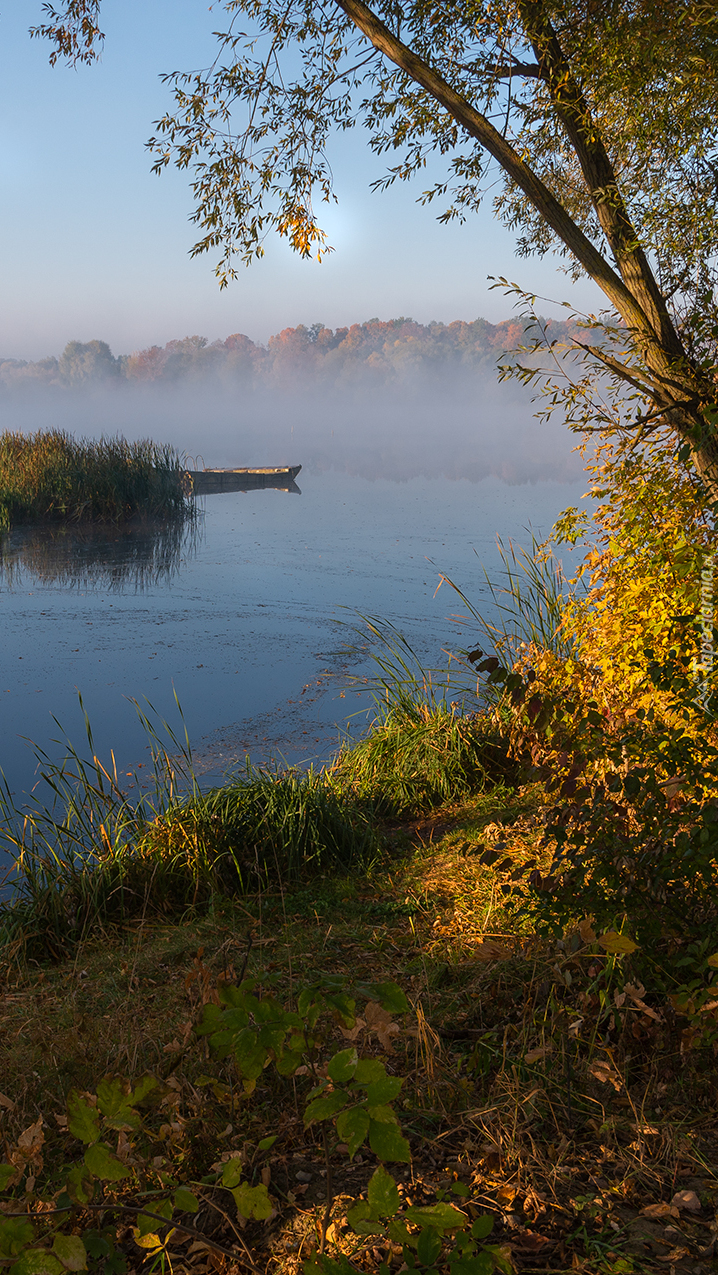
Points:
[617,944]
[713,961]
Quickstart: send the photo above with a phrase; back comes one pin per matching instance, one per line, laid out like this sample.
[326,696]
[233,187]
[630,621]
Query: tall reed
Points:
[51,477]
[94,853]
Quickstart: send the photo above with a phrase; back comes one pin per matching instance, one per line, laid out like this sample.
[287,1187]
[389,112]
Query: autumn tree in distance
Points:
[599,119]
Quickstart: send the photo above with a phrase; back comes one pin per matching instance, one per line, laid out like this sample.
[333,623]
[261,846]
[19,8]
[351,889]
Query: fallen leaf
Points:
[6,1102]
[659,1210]
[604,1072]
[587,931]
[529,1241]
[539,1052]
[491,951]
[686,1200]
[675,1255]
[380,1021]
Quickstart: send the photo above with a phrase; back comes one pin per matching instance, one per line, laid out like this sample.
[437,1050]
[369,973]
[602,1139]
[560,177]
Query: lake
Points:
[243,616]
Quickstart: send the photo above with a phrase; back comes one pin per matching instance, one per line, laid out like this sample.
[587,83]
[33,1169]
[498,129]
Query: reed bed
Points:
[92,854]
[51,477]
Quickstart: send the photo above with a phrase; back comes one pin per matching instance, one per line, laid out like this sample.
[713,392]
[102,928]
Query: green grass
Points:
[51,477]
[421,756]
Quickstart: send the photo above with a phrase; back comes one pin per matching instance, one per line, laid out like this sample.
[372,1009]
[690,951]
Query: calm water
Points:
[243,617]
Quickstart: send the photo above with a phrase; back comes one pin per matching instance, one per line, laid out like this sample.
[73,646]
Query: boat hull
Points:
[207,482]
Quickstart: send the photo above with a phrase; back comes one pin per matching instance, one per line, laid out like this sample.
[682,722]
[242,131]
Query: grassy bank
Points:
[51,477]
[180,1077]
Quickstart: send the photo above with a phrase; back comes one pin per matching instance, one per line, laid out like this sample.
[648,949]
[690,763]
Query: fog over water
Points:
[244,616]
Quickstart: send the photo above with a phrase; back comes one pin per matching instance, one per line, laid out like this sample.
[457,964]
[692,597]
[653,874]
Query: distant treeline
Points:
[383,352]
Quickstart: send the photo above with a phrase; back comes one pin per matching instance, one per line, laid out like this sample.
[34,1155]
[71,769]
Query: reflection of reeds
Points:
[143,553]
[51,477]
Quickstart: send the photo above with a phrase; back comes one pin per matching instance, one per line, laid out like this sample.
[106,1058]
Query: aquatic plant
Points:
[51,477]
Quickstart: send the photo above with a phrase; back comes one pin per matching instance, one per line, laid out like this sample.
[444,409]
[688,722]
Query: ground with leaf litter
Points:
[542,1087]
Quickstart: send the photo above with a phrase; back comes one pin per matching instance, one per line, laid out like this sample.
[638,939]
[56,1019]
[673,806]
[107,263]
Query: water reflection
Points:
[141,554]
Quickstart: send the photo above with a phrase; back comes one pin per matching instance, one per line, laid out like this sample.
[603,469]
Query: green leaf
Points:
[79,1184]
[460,1188]
[343,1065]
[266,1143]
[443,1217]
[482,1227]
[479,1264]
[7,1171]
[144,1086]
[104,1164]
[500,1257]
[382,1091]
[360,1220]
[383,1194]
[15,1234]
[369,1071]
[232,1172]
[113,1099]
[249,1055]
[388,1143]
[71,1252]
[428,1246]
[253,1201]
[390,997]
[324,1108]
[37,1261]
[352,1127]
[320,1264]
[185,1200]
[83,1120]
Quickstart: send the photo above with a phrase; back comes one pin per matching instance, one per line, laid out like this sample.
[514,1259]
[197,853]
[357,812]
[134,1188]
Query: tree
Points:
[600,118]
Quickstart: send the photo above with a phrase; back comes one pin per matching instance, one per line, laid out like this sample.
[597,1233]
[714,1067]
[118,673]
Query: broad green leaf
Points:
[343,1065]
[388,1143]
[185,1200]
[83,1120]
[460,1188]
[382,1091]
[482,1227]
[360,1219]
[502,1257]
[428,1246]
[105,1165]
[140,1091]
[266,1143]
[617,944]
[249,1055]
[343,1007]
[79,1184]
[232,1172]
[352,1127]
[382,1113]
[15,1234]
[71,1252]
[253,1201]
[324,1108]
[7,1171]
[383,1194]
[390,997]
[442,1217]
[37,1261]
[369,1071]
[113,1099]
[212,1017]
[146,1228]
[479,1264]
[288,1061]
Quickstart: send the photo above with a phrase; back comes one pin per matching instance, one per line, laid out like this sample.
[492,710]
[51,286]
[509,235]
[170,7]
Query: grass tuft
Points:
[51,477]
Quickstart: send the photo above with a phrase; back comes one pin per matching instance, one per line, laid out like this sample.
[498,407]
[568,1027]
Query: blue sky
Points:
[93,245]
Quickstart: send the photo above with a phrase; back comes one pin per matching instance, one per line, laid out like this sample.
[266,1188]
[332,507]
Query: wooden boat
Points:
[207,482]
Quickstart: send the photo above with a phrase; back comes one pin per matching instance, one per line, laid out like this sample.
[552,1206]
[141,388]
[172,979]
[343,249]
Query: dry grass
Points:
[502,1092]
